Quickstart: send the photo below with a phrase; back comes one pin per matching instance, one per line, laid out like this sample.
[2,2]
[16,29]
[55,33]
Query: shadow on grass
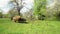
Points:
[22,21]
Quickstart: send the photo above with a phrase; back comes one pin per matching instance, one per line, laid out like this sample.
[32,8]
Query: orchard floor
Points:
[34,27]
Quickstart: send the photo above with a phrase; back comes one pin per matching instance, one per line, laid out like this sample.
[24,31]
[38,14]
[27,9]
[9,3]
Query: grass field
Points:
[35,27]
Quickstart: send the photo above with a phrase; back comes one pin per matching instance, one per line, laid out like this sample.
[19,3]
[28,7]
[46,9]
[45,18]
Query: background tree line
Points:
[46,13]
[40,11]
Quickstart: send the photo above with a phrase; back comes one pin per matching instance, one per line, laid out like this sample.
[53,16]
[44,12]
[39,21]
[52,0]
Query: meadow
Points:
[33,27]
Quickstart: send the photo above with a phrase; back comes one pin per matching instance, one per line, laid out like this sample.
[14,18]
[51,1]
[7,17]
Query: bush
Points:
[58,16]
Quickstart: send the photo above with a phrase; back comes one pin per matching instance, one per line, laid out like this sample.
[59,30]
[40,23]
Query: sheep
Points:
[15,18]
[18,19]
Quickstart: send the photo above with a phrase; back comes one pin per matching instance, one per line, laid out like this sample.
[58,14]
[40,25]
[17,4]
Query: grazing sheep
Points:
[18,19]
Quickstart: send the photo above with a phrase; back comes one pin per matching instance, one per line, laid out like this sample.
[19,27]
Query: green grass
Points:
[34,27]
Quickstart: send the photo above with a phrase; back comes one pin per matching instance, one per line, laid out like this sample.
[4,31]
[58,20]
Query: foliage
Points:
[50,13]
[39,7]
[13,12]
[54,11]
[1,15]
[17,4]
